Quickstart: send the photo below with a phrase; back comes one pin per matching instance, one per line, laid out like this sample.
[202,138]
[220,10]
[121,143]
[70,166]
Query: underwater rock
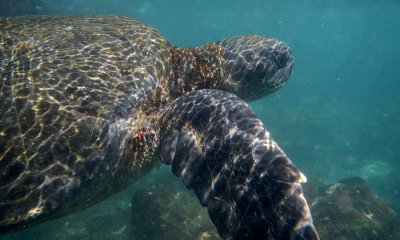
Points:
[376,169]
[349,209]
[160,212]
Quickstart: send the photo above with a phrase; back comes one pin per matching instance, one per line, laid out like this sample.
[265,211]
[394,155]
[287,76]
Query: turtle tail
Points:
[252,190]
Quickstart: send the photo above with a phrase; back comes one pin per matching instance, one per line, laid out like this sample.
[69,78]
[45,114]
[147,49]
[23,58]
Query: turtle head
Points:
[258,65]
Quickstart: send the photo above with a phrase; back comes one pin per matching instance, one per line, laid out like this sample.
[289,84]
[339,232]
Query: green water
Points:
[337,117]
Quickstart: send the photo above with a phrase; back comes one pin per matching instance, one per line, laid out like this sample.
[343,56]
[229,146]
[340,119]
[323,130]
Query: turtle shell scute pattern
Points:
[63,82]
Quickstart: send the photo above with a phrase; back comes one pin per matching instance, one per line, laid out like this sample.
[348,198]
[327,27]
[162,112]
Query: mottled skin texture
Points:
[235,168]
[65,85]
[90,104]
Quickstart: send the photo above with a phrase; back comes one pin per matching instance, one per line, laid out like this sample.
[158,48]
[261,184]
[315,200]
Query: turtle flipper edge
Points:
[216,143]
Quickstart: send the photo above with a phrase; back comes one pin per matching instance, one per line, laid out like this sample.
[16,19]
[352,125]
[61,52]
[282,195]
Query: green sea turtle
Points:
[91,104]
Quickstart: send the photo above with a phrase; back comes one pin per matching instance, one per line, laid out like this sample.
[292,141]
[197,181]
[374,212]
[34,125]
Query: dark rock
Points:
[171,212]
[350,209]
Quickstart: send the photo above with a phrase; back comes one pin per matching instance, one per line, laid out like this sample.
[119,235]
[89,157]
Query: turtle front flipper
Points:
[216,143]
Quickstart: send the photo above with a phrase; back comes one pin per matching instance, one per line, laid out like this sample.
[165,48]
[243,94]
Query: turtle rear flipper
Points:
[215,142]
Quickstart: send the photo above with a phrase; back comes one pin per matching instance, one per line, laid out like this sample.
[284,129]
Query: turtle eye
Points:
[258,65]
[280,60]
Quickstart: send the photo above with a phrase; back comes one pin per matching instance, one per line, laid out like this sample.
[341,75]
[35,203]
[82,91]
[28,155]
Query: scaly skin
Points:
[71,91]
[89,103]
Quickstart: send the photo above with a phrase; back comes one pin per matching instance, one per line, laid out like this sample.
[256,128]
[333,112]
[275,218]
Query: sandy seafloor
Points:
[338,116]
